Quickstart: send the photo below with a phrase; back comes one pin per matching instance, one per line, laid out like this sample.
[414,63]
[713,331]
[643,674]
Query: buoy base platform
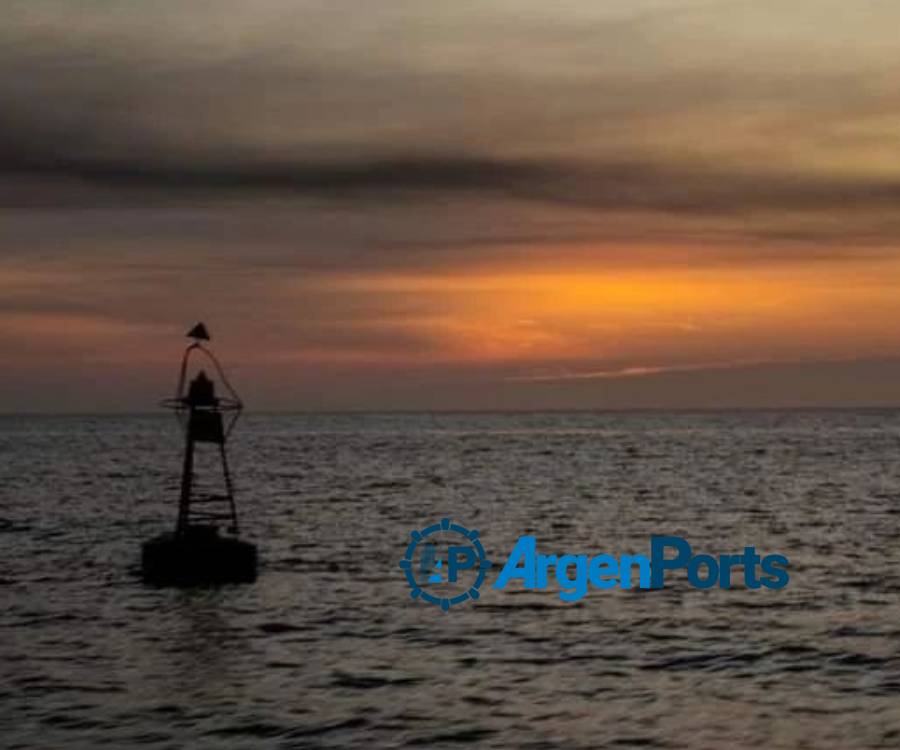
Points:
[198,556]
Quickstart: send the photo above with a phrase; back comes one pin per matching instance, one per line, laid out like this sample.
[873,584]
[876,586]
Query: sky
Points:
[471,205]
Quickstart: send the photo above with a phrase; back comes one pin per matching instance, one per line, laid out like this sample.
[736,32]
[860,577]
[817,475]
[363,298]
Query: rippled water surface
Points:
[328,650]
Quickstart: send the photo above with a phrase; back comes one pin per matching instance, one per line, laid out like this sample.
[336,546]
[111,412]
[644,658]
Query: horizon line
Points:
[499,411]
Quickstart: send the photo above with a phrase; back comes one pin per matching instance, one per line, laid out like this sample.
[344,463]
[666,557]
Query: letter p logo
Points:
[459,558]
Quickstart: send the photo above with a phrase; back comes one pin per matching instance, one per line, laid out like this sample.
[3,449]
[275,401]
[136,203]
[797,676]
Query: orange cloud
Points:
[760,313]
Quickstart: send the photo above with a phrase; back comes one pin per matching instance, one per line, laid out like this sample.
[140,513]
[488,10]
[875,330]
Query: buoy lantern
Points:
[195,552]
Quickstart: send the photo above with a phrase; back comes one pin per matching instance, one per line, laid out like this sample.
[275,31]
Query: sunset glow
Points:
[510,195]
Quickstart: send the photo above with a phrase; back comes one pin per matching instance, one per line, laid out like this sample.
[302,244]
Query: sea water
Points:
[328,649]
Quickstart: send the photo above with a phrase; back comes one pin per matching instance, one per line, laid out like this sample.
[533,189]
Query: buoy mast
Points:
[194,552]
[202,414]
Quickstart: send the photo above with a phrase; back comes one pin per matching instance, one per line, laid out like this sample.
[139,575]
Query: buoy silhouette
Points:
[199,333]
[195,552]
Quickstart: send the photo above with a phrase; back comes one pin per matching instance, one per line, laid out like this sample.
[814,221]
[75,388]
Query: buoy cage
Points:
[195,553]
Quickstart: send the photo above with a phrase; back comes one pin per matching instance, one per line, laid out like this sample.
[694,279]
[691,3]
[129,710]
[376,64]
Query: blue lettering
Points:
[712,572]
[454,564]
[521,564]
[770,565]
[543,565]
[750,561]
[568,593]
[576,573]
[658,562]
[604,571]
[626,564]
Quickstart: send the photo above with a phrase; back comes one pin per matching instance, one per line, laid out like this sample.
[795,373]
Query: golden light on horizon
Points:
[778,309]
[469,316]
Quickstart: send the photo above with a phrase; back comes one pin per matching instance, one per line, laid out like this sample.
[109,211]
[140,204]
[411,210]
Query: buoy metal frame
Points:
[195,554]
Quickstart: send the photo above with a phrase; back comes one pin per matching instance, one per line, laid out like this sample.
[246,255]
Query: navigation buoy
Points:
[196,552]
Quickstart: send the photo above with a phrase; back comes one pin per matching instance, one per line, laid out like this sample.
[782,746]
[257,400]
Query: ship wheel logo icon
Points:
[445,564]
